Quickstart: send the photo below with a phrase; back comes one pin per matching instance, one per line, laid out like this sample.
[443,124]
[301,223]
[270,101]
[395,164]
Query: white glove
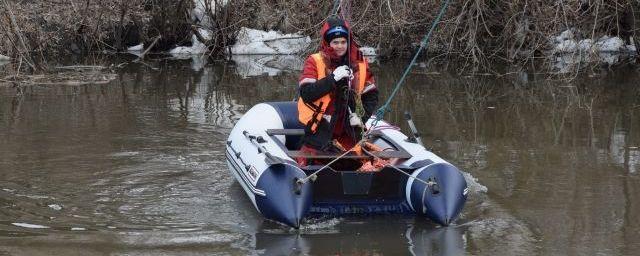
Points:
[341,72]
[354,120]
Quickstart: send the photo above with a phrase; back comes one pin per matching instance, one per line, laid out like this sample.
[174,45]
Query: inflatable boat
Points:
[261,152]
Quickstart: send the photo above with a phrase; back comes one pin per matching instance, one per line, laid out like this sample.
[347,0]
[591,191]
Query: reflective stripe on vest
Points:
[310,114]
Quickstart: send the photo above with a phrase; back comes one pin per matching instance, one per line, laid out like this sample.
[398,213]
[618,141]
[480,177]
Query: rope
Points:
[313,175]
[424,43]
[427,183]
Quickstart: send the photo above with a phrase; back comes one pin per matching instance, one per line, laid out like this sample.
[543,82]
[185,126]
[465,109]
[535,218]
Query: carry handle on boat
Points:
[414,131]
[257,141]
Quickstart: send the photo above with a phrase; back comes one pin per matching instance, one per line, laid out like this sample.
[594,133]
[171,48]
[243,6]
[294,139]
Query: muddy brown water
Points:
[136,166]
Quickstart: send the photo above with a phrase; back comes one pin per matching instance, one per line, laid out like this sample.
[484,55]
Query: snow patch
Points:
[585,45]
[196,47]
[565,35]
[136,48]
[566,46]
[368,51]
[202,8]
[606,50]
[609,57]
[200,16]
[567,42]
[253,41]
[631,48]
[4,58]
[610,44]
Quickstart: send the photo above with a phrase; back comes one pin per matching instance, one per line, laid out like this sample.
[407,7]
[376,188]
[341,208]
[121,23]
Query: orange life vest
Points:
[310,114]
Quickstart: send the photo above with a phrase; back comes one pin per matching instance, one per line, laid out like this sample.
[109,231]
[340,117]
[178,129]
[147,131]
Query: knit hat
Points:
[335,32]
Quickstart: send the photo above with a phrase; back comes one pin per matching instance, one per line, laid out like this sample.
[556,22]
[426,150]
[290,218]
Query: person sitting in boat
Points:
[337,93]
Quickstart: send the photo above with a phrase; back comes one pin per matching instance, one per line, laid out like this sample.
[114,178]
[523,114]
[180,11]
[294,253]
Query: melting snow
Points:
[571,53]
[197,47]
[253,41]
[368,51]
[610,44]
[136,48]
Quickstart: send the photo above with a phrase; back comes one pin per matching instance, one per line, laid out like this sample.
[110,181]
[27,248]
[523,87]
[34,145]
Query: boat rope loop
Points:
[423,44]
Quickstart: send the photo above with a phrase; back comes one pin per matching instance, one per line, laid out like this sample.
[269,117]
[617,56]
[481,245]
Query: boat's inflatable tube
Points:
[259,160]
[285,201]
[443,195]
[269,185]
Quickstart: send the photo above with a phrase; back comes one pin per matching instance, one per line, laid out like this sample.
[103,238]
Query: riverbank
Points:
[476,32]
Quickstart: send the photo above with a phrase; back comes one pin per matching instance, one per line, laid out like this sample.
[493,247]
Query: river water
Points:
[137,167]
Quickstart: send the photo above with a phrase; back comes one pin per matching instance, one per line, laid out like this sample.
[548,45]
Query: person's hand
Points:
[341,72]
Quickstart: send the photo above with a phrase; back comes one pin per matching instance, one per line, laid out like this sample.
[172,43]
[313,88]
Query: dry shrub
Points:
[49,28]
[478,31]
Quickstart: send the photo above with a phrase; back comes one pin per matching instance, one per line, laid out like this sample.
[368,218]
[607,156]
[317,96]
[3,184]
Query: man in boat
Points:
[337,93]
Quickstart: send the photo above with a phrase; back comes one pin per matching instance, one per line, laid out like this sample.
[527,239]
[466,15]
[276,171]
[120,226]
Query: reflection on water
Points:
[136,166]
[367,236]
[198,61]
[270,65]
[625,155]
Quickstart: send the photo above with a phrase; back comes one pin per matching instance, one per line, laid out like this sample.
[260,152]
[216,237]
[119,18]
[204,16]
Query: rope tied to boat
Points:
[431,183]
[314,175]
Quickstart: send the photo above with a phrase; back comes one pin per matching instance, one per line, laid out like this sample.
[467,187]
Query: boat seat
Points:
[381,154]
[386,154]
[293,137]
[320,155]
[288,112]
[286,132]
[391,154]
